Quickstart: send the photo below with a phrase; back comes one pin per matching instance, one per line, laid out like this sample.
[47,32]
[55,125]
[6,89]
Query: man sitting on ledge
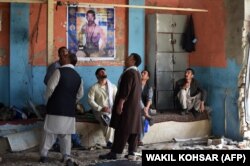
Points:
[189,95]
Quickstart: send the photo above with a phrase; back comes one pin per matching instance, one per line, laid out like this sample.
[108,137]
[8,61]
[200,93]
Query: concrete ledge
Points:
[166,131]
[159,132]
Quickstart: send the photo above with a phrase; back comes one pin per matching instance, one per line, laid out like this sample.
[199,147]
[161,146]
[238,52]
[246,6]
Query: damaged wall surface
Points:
[244,76]
[222,82]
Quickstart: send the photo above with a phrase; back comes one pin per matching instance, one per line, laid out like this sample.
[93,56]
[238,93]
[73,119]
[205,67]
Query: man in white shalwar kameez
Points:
[100,98]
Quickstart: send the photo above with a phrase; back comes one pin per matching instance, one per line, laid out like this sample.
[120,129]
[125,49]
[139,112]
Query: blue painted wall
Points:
[137,30]
[4,85]
[221,85]
[20,69]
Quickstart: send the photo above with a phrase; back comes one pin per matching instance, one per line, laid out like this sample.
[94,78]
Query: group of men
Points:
[64,88]
[129,104]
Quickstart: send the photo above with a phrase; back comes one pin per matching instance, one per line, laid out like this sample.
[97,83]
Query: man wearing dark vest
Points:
[64,89]
[75,138]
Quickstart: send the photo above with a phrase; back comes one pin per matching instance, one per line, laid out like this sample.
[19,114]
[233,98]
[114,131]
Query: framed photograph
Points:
[91,32]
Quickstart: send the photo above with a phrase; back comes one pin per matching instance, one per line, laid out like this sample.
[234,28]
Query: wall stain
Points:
[2,53]
[234,24]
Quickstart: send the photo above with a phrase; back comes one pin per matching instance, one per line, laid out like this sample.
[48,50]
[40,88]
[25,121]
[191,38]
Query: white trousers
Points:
[188,102]
[49,139]
[108,132]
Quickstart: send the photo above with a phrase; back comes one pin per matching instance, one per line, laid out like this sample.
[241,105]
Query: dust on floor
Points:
[89,157]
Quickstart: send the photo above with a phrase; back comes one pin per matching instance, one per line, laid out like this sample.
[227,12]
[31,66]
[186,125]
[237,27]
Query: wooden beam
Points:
[24,1]
[145,7]
[50,32]
[115,5]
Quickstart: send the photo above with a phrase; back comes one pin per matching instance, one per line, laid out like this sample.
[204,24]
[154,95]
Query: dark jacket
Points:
[129,89]
[146,94]
[188,38]
[194,89]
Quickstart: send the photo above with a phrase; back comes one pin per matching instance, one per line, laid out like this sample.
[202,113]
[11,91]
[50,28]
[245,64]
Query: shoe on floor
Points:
[130,156]
[108,156]
[43,159]
[65,158]
[69,162]
[109,145]
[140,143]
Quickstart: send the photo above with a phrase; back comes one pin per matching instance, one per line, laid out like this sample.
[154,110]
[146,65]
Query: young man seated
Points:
[101,98]
[189,96]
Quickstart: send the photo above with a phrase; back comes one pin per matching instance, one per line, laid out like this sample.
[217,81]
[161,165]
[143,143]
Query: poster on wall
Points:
[91,32]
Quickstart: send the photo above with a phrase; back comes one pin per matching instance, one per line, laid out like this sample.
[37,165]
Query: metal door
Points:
[165,100]
[164,62]
[179,23]
[164,42]
[164,23]
[171,23]
[176,41]
[164,80]
[180,61]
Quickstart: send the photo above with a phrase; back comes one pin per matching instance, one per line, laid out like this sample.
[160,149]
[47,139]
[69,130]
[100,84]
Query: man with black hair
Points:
[63,51]
[64,90]
[52,67]
[189,95]
[126,112]
[146,102]
[101,98]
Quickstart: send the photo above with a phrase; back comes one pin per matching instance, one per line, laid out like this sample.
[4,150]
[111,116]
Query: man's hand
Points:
[145,110]
[106,109]
[186,85]
[202,107]
[120,107]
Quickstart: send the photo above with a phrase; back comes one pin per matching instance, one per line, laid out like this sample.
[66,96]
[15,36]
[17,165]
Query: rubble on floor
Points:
[89,157]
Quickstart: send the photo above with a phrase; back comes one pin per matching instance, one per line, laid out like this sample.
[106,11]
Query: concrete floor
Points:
[90,157]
